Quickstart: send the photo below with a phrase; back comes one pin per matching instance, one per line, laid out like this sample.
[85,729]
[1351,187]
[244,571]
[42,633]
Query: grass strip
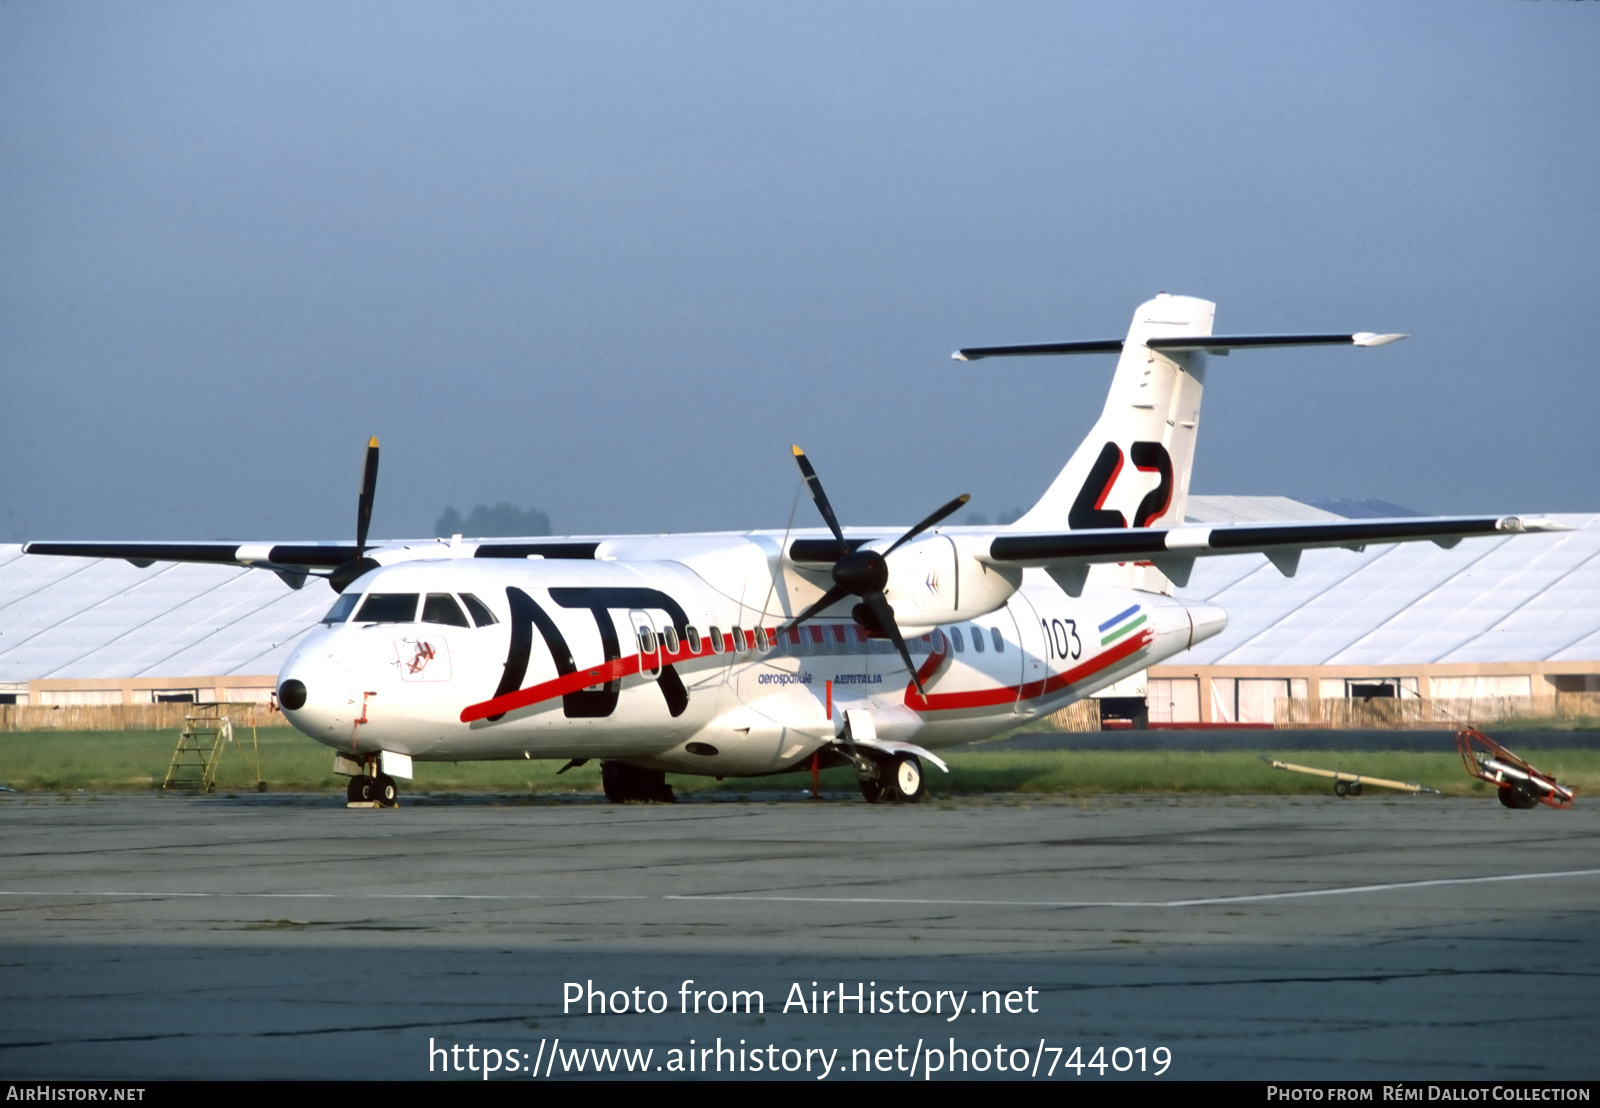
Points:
[132,761]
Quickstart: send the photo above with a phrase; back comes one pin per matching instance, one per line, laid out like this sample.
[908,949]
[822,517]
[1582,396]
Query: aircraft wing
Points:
[1173,549]
[295,561]
[264,555]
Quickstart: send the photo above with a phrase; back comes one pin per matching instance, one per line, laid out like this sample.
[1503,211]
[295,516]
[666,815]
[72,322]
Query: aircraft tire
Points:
[1355,788]
[615,780]
[909,782]
[1520,798]
[360,790]
[1340,788]
[874,791]
[386,791]
[660,791]
[624,784]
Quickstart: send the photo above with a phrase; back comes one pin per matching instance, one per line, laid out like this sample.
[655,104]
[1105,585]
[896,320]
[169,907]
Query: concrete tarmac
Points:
[1252,938]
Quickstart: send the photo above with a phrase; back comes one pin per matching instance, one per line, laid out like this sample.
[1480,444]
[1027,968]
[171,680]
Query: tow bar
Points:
[1349,784]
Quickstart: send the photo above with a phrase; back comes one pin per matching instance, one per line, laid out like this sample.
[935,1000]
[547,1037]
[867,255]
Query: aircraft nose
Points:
[314,693]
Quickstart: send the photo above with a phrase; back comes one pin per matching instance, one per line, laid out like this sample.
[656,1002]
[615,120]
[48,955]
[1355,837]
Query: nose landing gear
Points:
[369,786]
[377,791]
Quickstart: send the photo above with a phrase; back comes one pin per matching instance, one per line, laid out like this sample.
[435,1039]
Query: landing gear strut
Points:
[624,784]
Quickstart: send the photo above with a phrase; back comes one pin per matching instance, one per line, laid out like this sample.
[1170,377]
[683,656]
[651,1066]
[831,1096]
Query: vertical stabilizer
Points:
[1133,469]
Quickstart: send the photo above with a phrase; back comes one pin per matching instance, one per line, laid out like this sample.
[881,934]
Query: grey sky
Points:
[609,260]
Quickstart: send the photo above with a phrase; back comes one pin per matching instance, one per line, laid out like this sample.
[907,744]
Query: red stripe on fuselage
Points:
[935,702]
[584,678]
[989,698]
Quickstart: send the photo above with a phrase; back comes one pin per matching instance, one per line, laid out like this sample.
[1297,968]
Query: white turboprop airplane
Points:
[741,654]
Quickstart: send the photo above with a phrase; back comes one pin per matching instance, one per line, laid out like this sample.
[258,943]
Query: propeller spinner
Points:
[864,573]
[343,575]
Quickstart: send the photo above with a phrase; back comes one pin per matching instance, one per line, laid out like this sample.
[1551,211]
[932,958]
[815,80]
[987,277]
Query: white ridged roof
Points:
[104,618]
[1518,598]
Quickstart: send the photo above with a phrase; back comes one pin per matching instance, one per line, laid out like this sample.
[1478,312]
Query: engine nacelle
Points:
[934,581]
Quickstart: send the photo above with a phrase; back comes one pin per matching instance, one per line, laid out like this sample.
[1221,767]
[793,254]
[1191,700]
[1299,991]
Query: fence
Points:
[1081,715]
[123,717]
[1443,714]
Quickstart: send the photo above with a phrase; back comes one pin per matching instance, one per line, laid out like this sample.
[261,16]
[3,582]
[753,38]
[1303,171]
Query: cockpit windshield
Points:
[481,615]
[342,608]
[441,607]
[388,607]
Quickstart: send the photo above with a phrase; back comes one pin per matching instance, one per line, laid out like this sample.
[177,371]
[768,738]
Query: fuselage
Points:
[683,661]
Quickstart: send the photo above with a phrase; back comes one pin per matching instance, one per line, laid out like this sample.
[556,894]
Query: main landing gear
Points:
[899,779]
[379,790]
[627,784]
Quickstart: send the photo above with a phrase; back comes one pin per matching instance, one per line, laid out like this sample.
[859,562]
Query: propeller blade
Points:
[878,605]
[927,523]
[820,497]
[829,598]
[369,488]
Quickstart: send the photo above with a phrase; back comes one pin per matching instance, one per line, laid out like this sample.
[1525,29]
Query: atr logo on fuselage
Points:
[600,701]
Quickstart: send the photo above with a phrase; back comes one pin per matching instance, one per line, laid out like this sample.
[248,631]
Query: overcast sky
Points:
[610,260]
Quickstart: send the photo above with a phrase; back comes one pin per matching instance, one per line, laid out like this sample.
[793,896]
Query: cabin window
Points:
[441,607]
[481,615]
[977,639]
[342,608]
[957,640]
[669,638]
[694,639]
[647,641]
[765,639]
[389,607]
[717,645]
[999,643]
[739,643]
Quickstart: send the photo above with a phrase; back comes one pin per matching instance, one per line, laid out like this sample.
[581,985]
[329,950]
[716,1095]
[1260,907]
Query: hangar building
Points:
[1493,617]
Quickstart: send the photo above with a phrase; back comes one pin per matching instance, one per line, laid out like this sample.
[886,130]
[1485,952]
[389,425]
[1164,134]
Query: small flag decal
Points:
[1123,622]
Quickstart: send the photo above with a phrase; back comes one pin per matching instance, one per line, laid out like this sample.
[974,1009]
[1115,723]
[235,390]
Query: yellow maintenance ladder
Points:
[207,731]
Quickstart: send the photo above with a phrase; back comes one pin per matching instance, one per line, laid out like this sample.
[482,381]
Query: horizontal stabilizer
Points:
[1216,344]
[1092,346]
